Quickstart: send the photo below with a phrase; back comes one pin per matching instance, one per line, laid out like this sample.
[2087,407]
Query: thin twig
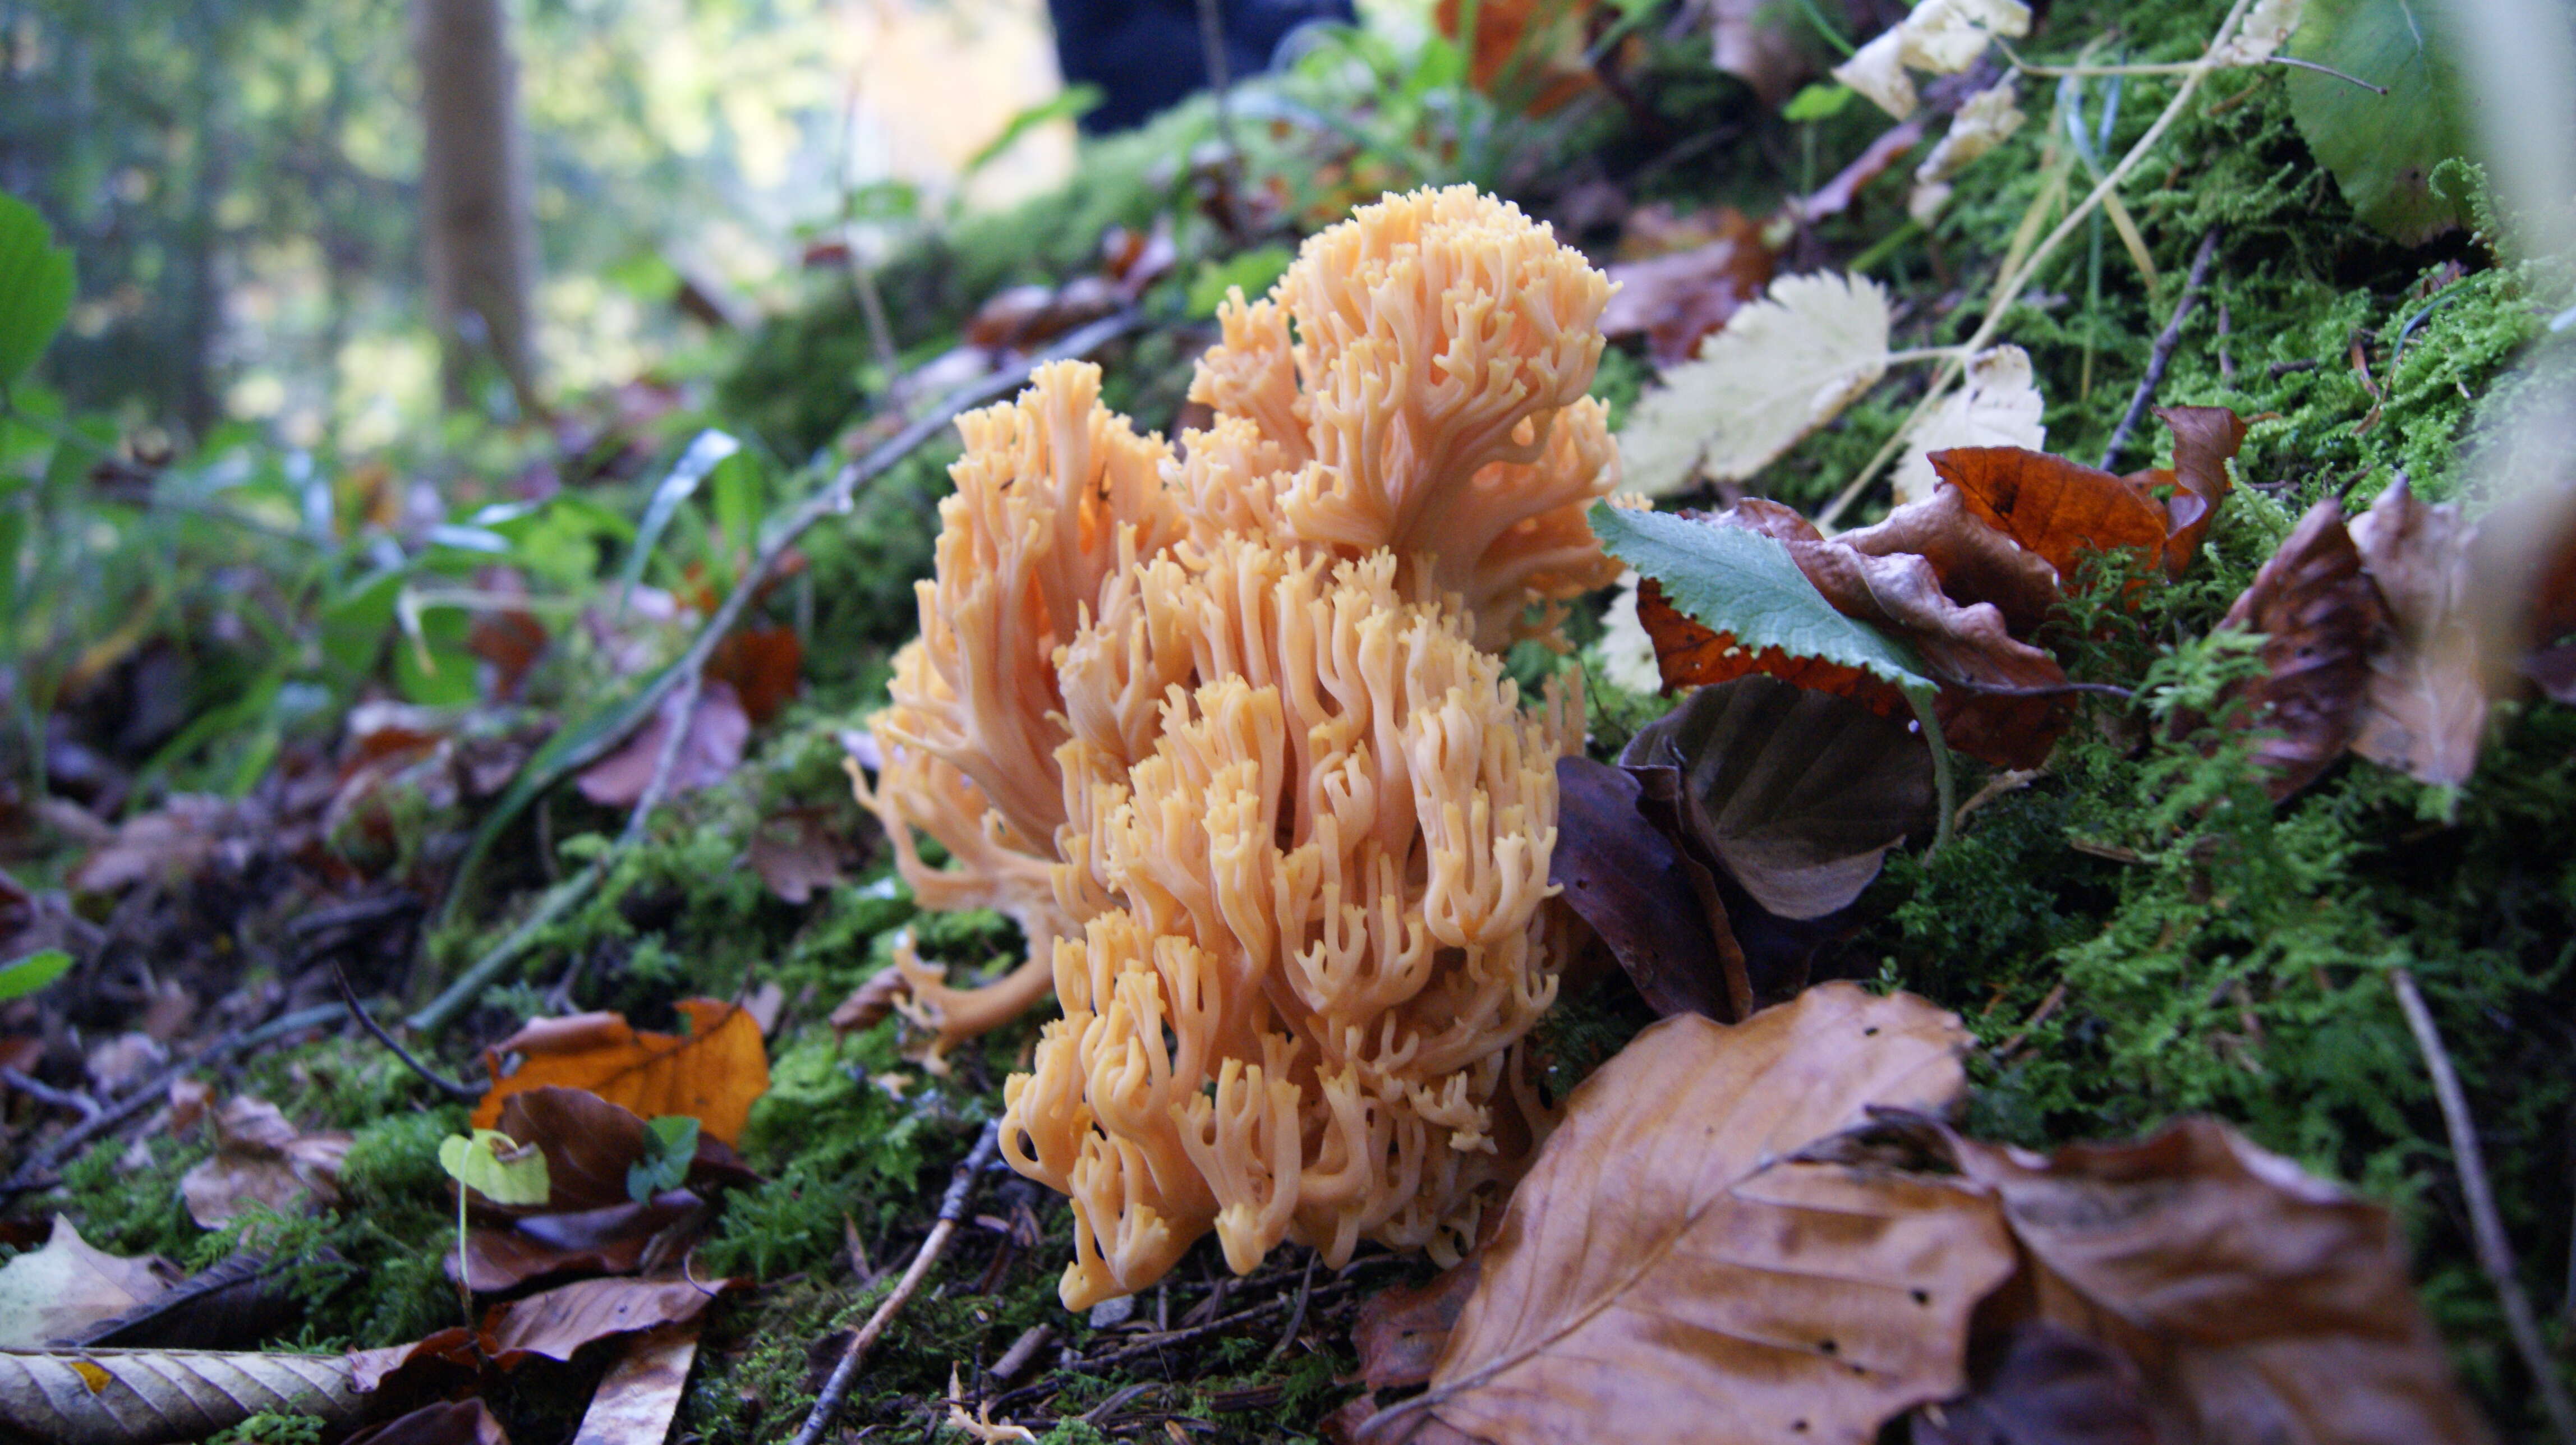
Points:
[1296,1317]
[2162,356]
[2040,1015]
[834,498]
[2495,1252]
[961,1187]
[1156,1343]
[367,1021]
[44,1093]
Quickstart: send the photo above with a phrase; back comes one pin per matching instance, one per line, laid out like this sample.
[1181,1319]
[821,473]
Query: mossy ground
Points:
[2135,934]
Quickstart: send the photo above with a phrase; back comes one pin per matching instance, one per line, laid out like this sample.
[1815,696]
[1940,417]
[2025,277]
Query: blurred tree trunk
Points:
[479,233]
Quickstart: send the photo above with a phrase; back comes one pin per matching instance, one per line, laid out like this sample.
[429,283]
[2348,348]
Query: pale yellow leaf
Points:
[1783,367]
[1998,407]
[147,1397]
[62,1289]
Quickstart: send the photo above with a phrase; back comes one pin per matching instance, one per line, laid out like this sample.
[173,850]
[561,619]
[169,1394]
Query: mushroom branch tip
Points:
[1224,729]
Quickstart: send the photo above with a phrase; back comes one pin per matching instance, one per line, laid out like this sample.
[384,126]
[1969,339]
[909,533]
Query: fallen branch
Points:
[2162,355]
[952,1208]
[689,668]
[2495,1252]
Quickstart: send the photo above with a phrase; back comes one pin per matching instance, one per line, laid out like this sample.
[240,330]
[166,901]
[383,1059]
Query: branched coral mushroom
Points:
[1226,733]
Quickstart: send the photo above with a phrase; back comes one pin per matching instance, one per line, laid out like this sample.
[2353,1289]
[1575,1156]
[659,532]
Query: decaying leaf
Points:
[712,1073]
[796,852]
[2425,711]
[1401,1331]
[1756,43]
[1654,905]
[1666,1272]
[245,1297]
[449,1422]
[717,729]
[2258,1302]
[560,1321]
[641,1393]
[1798,795]
[1941,37]
[590,1144]
[1784,366]
[1984,120]
[2063,509]
[761,665]
[61,1290]
[1998,406]
[2320,619]
[871,1001]
[2051,1386]
[151,1397]
[260,1158]
[1682,296]
[2267,27]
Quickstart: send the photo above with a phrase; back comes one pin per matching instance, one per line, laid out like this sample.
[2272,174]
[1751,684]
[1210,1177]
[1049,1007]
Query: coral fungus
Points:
[1226,733]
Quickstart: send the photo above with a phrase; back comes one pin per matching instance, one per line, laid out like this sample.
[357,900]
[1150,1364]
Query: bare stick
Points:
[2495,1252]
[2162,355]
[358,1011]
[832,499]
[961,1187]
[44,1093]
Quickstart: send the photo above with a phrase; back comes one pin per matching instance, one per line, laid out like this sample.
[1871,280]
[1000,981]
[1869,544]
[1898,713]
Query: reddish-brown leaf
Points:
[2063,509]
[510,639]
[712,1073]
[2206,438]
[796,852]
[761,665]
[260,1158]
[450,1422]
[2320,619]
[617,1239]
[1974,562]
[1401,1331]
[1668,1271]
[590,1143]
[871,1001]
[2258,1302]
[560,1321]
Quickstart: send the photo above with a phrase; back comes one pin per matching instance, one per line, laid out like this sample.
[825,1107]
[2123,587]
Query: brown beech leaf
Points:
[590,1143]
[1974,562]
[2320,619]
[260,1158]
[449,1422]
[1681,296]
[717,729]
[2425,712]
[1654,905]
[63,1289]
[641,1393]
[560,1321]
[615,1239]
[1666,1271]
[761,665]
[1797,794]
[2052,1386]
[2259,1303]
[2064,509]
[796,852]
[1401,1331]
[712,1074]
[871,1001]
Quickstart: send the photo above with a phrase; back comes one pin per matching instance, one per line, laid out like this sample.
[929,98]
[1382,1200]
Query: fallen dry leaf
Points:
[796,852]
[712,749]
[613,1239]
[2052,1386]
[1650,902]
[560,1321]
[641,1393]
[1756,43]
[2425,711]
[1781,368]
[449,1422]
[1679,297]
[2321,620]
[870,1002]
[1797,795]
[60,1291]
[1940,37]
[1666,1272]
[2258,1302]
[1401,1331]
[761,665]
[712,1074]
[2063,509]
[260,1158]
[590,1143]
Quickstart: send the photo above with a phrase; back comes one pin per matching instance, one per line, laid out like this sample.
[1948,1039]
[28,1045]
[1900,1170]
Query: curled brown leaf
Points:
[2320,619]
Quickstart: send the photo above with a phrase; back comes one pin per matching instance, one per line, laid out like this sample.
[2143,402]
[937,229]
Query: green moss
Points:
[270,1428]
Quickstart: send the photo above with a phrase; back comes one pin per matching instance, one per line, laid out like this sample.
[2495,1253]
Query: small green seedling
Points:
[670,1144]
[502,1170]
[26,975]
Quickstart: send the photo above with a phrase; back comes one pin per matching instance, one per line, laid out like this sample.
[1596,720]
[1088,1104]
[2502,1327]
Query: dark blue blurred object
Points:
[1146,55]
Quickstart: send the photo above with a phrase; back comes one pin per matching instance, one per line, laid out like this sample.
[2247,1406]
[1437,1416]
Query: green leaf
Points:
[706,451]
[1746,584]
[670,1145]
[2382,149]
[1072,103]
[19,979]
[1253,270]
[36,288]
[496,1166]
[1817,102]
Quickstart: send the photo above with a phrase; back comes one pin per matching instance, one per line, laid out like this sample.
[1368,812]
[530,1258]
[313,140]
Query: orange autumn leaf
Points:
[762,665]
[711,1074]
[2063,509]
[1534,46]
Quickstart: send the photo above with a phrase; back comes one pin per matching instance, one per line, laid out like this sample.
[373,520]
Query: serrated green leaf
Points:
[1746,584]
[19,979]
[36,288]
[670,1146]
[496,1166]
